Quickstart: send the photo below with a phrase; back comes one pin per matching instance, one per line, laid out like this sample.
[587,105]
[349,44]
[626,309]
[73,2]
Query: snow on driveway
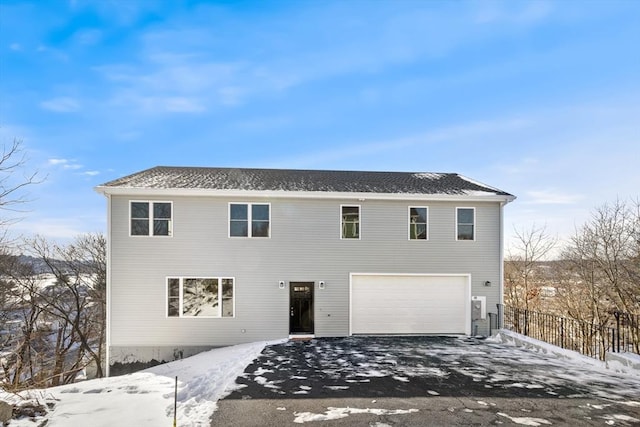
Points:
[438,367]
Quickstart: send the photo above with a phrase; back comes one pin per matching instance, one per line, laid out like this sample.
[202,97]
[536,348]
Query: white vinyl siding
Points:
[305,247]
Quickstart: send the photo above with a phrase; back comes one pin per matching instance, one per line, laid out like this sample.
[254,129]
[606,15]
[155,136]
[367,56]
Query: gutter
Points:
[285,194]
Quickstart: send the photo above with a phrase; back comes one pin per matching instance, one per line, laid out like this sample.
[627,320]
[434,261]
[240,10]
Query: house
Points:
[206,257]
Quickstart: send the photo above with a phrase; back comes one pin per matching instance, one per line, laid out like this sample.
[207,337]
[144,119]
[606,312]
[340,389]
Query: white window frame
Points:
[409,223]
[151,218]
[475,221]
[249,220]
[359,221]
[181,306]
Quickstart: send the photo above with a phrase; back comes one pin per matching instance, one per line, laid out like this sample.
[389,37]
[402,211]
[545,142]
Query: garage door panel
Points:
[383,304]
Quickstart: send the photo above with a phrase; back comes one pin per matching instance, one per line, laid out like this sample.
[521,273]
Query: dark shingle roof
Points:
[163,177]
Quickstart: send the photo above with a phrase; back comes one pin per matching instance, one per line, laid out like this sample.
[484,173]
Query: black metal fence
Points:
[621,333]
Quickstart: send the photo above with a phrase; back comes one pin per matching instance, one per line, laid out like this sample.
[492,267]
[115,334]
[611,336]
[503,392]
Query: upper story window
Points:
[151,218]
[249,219]
[350,222]
[200,297]
[465,223]
[418,223]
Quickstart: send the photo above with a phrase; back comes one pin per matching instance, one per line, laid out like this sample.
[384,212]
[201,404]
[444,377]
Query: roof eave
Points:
[283,194]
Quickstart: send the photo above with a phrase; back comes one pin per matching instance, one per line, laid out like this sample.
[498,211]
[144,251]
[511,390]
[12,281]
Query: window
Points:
[465,223]
[418,223]
[200,297]
[151,218]
[350,222]
[249,220]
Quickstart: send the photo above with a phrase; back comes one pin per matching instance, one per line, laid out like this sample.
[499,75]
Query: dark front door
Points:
[301,308]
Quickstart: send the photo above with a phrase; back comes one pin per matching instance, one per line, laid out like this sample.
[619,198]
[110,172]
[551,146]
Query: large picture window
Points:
[151,218]
[200,297]
[418,229]
[350,222]
[465,223]
[249,220]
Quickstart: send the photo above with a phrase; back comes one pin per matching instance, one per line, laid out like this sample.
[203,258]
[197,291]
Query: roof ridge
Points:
[295,169]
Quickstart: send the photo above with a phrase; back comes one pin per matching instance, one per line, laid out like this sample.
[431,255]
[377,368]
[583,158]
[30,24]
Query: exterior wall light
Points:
[281,284]
[321,284]
[487,283]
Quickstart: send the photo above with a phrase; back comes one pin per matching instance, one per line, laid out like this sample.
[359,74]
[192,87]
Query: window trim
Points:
[249,220]
[181,280]
[409,223]
[151,218]
[473,238]
[359,221]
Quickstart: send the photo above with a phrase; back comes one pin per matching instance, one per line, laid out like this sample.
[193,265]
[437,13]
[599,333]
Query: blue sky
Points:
[540,99]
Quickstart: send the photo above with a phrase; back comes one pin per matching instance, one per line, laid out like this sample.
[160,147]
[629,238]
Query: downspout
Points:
[501,281]
[108,290]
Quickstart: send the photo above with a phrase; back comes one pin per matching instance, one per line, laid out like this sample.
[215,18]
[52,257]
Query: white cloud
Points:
[175,83]
[51,228]
[519,13]
[15,46]
[159,104]
[463,132]
[525,165]
[261,124]
[176,63]
[61,105]
[91,173]
[177,104]
[64,163]
[88,37]
[551,197]
[57,161]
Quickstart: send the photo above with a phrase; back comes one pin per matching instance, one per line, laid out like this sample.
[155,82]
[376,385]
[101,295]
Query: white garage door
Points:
[410,304]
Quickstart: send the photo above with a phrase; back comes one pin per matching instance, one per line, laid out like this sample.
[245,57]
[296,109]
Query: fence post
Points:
[613,340]
[562,332]
[617,347]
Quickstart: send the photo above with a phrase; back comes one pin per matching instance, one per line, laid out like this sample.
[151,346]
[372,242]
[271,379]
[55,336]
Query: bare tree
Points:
[78,299]
[604,254]
[523,269]
[13,180]
[57,313]
[22,315]
[14,308]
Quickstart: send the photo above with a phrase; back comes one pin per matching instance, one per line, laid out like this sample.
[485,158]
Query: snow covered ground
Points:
[146,398]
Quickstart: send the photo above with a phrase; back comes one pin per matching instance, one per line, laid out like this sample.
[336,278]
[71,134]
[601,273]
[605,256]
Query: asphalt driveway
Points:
[417,381]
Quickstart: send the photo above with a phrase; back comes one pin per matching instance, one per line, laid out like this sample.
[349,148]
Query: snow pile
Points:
[625,363]
[144,398]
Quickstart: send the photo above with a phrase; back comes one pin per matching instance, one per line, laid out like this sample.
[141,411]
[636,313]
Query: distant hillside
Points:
[37,264]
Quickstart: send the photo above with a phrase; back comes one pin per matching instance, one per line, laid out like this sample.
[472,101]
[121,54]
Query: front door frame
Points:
[301,308]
